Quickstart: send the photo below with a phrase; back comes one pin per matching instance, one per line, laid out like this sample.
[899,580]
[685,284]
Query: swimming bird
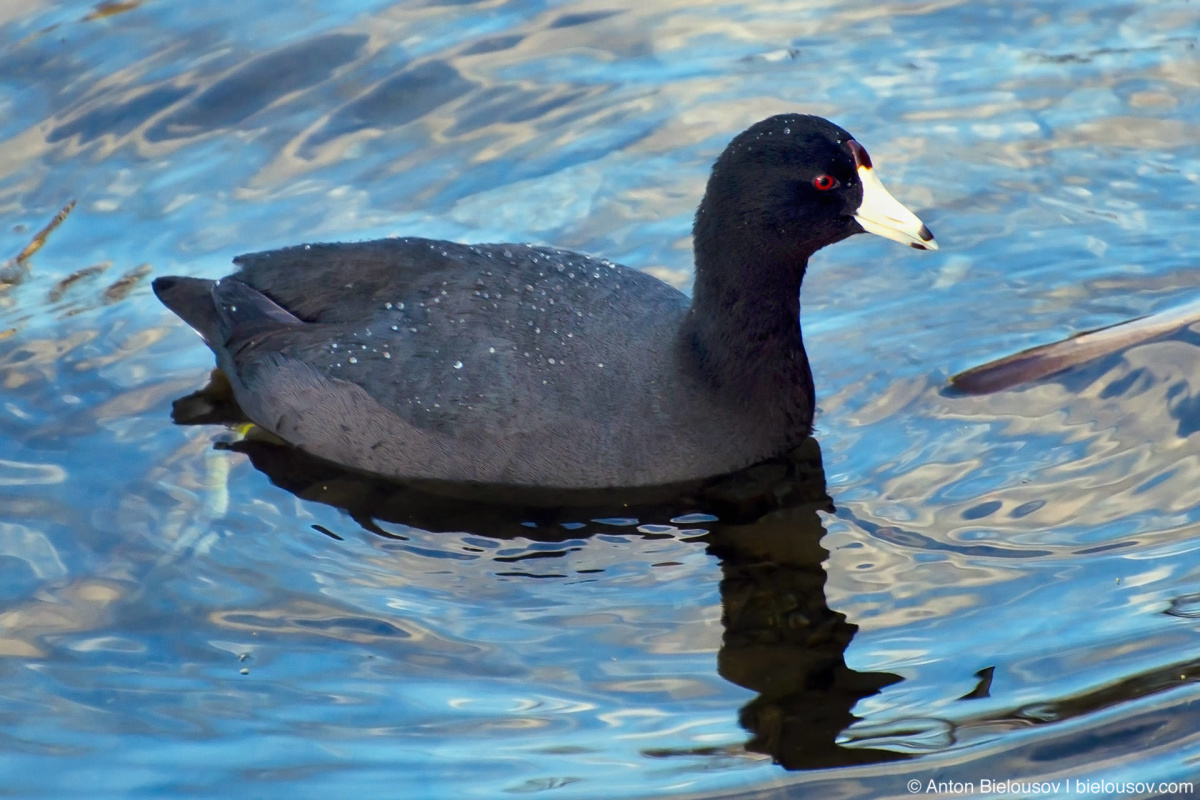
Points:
[528,366]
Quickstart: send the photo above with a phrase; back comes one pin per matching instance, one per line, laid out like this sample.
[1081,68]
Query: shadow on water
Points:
[780,637]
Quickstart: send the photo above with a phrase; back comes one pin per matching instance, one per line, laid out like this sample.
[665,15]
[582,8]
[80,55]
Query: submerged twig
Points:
[112,8]
[125,284]
[66,283]
[14,270]
[40,238]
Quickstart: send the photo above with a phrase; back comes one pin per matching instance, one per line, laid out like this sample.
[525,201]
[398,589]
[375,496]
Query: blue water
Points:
[175,621]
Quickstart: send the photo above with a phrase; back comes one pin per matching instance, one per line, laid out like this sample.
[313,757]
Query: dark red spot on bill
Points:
[861,159]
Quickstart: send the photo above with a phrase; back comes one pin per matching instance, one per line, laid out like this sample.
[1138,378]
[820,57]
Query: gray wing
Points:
[476,358]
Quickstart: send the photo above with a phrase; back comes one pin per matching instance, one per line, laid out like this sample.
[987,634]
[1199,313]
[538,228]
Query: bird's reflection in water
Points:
[780,638]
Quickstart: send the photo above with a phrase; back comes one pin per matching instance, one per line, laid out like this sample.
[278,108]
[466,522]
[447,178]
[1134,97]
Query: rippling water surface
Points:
[1003,587]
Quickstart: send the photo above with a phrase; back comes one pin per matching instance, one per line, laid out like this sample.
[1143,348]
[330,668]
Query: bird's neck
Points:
[744,325]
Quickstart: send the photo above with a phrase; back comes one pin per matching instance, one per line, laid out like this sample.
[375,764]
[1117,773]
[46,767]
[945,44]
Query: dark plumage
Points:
[528,366]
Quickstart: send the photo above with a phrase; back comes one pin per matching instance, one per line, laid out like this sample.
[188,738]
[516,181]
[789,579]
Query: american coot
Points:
[520,365]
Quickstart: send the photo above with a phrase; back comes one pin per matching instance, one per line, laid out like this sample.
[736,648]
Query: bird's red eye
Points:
[825,182]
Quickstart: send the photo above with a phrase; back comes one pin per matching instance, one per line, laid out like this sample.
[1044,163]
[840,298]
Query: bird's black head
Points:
[790,185]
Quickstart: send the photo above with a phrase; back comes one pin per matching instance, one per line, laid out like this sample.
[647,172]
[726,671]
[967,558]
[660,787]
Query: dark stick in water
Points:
[1050,359]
